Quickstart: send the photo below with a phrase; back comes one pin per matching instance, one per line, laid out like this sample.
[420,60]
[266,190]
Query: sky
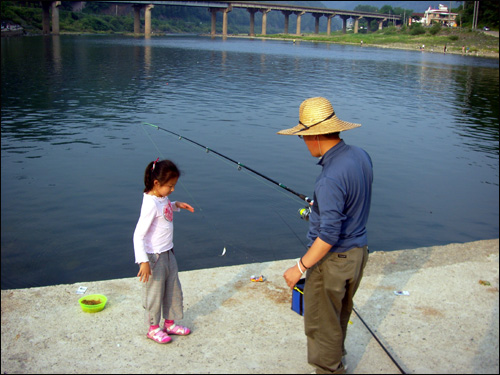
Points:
[416,6]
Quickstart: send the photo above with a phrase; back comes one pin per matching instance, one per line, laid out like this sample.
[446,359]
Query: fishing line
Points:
[191,196]
[303,212]
[288,225]
[301,196]
[240,165]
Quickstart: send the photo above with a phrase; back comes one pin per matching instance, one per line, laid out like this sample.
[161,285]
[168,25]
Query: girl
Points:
[154,252]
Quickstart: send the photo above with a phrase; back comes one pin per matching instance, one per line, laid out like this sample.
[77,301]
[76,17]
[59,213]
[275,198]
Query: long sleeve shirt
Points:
[154,232]
[342,198]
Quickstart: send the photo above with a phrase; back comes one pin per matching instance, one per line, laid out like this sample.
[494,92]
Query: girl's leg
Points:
[153,291]
[173,302]
[173,299]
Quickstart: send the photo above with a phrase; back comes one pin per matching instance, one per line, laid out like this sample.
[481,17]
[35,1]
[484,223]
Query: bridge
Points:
[225,7]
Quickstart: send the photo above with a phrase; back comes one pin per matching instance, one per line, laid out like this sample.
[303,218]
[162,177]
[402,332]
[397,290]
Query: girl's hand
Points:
[185,206]
[144,272]
[292,276]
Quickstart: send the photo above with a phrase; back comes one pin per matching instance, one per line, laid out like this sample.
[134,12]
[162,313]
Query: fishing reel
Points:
[304,213]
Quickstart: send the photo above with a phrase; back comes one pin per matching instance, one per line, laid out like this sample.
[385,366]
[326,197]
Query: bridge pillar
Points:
[317,16]
[224,20]
[264,20]
[252,12]
[147,20]
[299,15]
[55,17]
[329,24]
[224,11]
[344,23]
[356,24]
[286,13]
[214,20]
[45,18]
[380,23]
[369,21]
[47,6]
[137,18]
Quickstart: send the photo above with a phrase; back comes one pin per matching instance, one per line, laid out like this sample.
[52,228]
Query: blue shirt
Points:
[342,197]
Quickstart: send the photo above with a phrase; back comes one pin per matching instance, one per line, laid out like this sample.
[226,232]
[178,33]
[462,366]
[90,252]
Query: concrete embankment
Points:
[15,32]
[447,324]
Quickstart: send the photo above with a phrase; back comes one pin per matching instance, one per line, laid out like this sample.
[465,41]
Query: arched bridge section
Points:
[225,7]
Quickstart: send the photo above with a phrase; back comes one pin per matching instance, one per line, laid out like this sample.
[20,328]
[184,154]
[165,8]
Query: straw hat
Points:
[316,116]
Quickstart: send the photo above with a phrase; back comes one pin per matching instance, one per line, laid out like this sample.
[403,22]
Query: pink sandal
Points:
[177,330]
[159,336]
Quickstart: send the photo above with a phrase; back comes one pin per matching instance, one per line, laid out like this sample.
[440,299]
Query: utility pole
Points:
[449,15]
[475,15]
[477,12]
[462,14]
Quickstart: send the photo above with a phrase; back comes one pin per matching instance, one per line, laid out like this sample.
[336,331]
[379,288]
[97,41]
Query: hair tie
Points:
[154,164]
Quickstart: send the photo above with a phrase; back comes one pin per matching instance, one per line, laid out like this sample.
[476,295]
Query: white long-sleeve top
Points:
[154,232]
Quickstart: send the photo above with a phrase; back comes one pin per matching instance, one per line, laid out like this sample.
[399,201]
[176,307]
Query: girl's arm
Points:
[148,214]
[184,206]
[144,272]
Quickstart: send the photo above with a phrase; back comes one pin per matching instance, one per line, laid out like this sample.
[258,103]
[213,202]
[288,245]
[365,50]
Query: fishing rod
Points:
[379,342]
[302,211]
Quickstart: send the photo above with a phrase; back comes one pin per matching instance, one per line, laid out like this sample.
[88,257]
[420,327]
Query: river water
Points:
[74,147]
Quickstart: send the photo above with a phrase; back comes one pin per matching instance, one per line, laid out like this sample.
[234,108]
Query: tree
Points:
[487,14]
[95,8]
[366,8]
[386,9]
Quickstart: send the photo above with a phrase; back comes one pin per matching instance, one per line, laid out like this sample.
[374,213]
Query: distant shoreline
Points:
[292,38]
[401,46]
[8,33]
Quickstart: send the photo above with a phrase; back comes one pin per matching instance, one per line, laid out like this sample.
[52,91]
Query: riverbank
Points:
[480,44]
[7,33]
[447,324]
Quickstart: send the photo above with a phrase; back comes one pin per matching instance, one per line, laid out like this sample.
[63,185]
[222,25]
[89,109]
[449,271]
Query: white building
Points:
[441,15]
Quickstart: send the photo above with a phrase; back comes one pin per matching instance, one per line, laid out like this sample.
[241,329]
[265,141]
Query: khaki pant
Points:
[163,292]
[328,292]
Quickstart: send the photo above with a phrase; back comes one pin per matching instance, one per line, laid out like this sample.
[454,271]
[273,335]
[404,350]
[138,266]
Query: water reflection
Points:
[147,59]
[478,118]
[73,149]
[52,45]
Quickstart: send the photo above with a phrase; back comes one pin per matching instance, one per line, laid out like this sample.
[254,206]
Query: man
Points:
[338,249]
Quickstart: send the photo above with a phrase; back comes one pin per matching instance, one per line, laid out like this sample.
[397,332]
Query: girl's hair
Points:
[163,171]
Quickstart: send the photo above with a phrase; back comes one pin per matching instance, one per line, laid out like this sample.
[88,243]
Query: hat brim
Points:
[332,125]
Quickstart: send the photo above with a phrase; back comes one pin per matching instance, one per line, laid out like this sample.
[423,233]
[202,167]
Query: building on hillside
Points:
[416,18]
[441,15]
